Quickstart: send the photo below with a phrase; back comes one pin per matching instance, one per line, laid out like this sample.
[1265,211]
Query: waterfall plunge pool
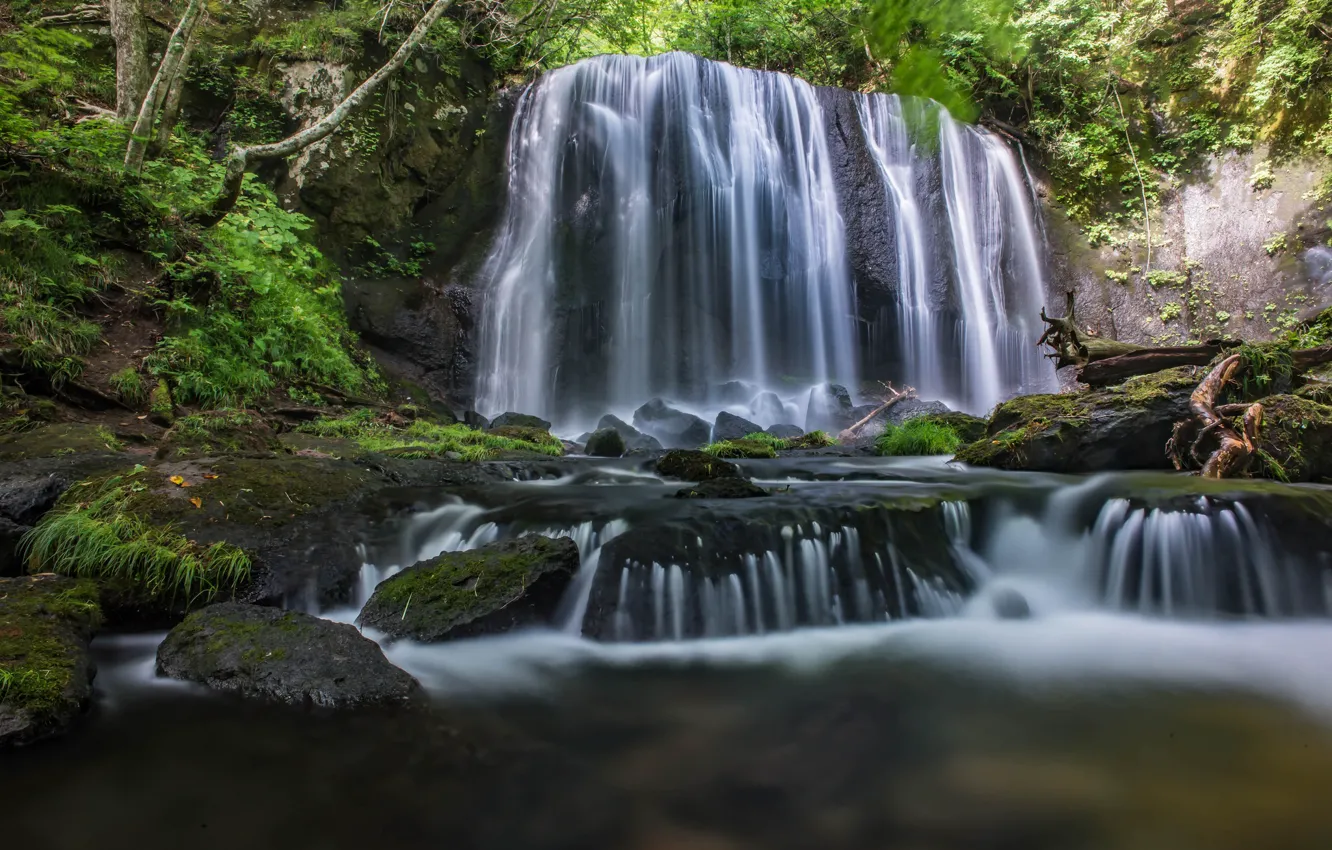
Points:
[1170,687]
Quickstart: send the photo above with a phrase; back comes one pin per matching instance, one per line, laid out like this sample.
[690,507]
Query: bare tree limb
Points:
[157,92]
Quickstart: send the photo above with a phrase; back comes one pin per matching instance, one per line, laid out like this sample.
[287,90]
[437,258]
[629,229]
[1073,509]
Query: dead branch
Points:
[1071,346]
[891,398]
[1232,455]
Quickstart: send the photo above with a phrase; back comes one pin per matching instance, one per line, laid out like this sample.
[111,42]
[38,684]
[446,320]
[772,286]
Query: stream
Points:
[884,653]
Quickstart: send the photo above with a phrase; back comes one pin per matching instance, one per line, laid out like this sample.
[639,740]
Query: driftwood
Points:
[1234,449]
[1145,361]
[891,398]
[1070,346]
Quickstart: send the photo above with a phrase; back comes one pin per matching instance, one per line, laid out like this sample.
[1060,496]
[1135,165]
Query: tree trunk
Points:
[242,158]
[129,28]
[157,92]
[1112,370]
[171,108]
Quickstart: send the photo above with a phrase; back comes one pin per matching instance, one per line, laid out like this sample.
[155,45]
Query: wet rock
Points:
[768,407]
[1296,438]
[734,392]
[493,589]
[24,498]
[282,656]
[46,623]
[1123,427]
[829,409]
[912,408]
[689,465]
[674,428]
[474,420]
[722,488]
[606,442]
[519,420]
[11,535]
[634,440]
[731,427]
[228,432]
[1009,604]
[785,432]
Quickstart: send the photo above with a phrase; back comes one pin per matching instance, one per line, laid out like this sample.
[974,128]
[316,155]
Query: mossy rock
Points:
[606,442]
[46,622]
[283,656]
[58,440]
[219,432]
[518,420]
[752,449]
[691,465]
[538,436]
[967,427]
[1295,441]
[493,589]
[1122,427]
[723,488]
[1319,391]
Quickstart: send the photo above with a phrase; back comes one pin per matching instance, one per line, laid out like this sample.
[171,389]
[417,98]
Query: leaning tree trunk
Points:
[242,158]
[167,70]
[171,106]
[129,29]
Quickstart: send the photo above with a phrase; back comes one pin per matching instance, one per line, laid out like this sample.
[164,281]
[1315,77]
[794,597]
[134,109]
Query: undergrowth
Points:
[95,532]
[917,437]
[423,439]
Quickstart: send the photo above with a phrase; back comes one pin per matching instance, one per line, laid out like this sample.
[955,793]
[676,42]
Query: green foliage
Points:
[129,386]
[918,436]
[1265,369]
[1275,245]
[1170,311]
[96,531]
[39,638]
[743,448]
[427,439]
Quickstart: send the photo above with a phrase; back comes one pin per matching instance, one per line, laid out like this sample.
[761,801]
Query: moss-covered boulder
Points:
[219,432]
[282,656]
[519,420]
[1122,427]
[46,673]
[606,442]
[690,465]
[967,427]
[543,442]
[58,440]
[493,589]
[1295,442]
[752,449]
[722,488]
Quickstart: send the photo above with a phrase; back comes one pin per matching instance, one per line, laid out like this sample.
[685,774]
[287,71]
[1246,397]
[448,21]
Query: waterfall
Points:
[674,224]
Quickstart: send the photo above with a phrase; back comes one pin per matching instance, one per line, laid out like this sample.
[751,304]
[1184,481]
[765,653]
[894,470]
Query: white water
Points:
[675,223]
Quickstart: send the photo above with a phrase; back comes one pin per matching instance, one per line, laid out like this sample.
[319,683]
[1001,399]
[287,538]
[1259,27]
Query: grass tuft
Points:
[422,439]
[917,437]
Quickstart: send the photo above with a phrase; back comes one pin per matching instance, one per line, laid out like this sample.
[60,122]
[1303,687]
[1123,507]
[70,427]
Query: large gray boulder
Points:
[731,427]
[634,439]
[674,428]
[605,442]
[785,432]
[688,465]
[829,409]
[496,588]
[519,420]
[282,656]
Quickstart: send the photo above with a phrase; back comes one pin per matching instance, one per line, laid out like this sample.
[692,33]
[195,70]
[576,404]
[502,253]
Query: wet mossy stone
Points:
[46,622]
[751,449]
[722,488]
[967,427]
[1121,427]
[606,442]
[688,465]
[634,439]
[675,429]
[519,420]
[475,421]
[785,432]
[282,656]
[58,440]
[1295,440]
[220,432]
[728,426]
[496,588]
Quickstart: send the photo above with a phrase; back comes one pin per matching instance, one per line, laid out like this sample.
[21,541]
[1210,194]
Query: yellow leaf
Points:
[196,502]
[210,475]
[177,480]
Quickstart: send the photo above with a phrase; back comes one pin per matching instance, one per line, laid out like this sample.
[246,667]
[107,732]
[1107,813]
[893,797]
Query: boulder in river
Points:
[46,622]
[634,439]
[674,428]
[731,427]
[282,656]
[492,589]
[829,408]
[786,432]
[519,420]
[689,465]
[605,442]
[722,488]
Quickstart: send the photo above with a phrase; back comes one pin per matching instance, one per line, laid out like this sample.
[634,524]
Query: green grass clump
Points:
[812,440]
[745,448]
[95,532]
[422,439]
[917,437]
[128,385]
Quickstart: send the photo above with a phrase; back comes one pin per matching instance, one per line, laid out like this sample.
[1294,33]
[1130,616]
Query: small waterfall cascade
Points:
[674,224]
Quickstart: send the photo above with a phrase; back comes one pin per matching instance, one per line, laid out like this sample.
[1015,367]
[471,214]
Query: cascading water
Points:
[675,223]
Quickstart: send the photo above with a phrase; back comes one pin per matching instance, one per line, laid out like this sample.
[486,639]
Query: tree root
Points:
[1234,449]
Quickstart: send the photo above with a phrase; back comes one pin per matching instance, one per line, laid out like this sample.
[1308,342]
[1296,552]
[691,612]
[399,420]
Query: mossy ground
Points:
[45,623]
[424,439]
[763,445]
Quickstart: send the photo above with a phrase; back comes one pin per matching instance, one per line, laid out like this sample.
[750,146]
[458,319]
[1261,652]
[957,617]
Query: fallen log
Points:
[893,397]
[1112,370]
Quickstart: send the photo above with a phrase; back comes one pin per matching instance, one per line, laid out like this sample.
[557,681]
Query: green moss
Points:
[427,439]
[95,531]
[160,403]
[812,440]
[56,440]
[688,465]
[744,448]
[43,623]
[1295,441]
[918,436]
[223,430]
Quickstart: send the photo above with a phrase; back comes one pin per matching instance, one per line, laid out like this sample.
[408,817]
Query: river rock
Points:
[722,488]
[282,656]
[785,432]
[605,442]
[829,409]
[518,420]
[734,392]
[731,427]
[689,465]
[634,439]
[768,407]
[46,623]
[496,588]
[674,428]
